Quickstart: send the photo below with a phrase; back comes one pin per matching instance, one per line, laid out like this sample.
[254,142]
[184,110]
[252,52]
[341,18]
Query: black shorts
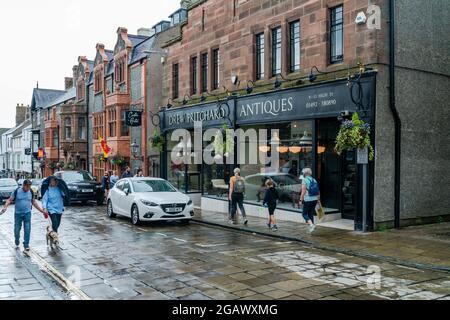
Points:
[272,210]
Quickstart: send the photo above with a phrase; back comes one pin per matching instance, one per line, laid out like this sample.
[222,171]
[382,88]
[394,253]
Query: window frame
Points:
[123,124]
[260,55]
[175,80]
[334,29]
[194,75]
[216,69]
[277,43]
[204,67]
[294,46]
[68,128]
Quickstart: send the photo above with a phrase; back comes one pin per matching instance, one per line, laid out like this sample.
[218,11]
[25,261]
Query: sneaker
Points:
[245,222]
[231,222]
[27,249]
[312,228]
[275,228]
[269,226]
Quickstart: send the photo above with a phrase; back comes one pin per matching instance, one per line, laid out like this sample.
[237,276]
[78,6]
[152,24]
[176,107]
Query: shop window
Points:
[194,71]
[294,44]
[260,56]
[337,34]
[276,51]
[295,150]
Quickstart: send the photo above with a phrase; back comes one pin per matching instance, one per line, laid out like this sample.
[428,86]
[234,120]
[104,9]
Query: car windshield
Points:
[75,176]
[8,183]
[153,186]
[36,182]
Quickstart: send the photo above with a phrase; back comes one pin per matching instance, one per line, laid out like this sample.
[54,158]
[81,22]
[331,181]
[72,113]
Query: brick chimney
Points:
[68,83]
[21,113]
[145,32]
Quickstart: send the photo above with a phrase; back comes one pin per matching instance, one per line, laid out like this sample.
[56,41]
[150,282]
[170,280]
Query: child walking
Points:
[270,201]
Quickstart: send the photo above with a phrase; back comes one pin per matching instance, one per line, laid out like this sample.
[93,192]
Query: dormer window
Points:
[120,71]
[80,90]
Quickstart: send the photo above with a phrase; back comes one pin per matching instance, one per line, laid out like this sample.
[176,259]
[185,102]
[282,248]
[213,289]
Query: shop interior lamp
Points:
[321,149]
[264,149]
[283,149]
[295,149]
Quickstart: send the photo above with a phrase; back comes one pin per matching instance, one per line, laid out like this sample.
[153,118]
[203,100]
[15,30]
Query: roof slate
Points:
[41,97]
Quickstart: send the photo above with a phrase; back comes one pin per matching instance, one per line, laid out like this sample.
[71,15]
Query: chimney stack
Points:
[145,32]
[21,113]
[68,83]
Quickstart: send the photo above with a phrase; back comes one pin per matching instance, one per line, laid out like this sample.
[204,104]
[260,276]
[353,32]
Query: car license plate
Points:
[87,191]
[173,210]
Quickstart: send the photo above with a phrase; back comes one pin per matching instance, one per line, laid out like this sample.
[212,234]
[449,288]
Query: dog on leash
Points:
[52,238]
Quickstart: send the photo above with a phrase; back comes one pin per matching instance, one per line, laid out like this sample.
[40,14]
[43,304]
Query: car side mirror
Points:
[127,192]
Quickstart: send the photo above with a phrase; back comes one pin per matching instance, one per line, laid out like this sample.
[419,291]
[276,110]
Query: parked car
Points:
[36,185]
[82,186]
[7,186]
[149,199]
[288,186]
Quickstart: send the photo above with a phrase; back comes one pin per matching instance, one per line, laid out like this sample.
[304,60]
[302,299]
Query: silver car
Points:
[7,186]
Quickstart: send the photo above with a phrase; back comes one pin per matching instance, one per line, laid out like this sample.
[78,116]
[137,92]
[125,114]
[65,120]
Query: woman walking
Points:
[106,184]
[270,201]
[236,196]
[53,203]
[309,198]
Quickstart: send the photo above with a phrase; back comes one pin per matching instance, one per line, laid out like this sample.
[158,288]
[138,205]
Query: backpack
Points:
[239,185]
[313,190]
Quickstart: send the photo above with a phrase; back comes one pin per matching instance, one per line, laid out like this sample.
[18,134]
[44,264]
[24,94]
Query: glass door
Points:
[349,185]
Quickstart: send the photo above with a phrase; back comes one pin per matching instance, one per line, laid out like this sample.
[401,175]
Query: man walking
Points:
[113,179]
[53,203]
[309,198]
[24,200]
[127,173]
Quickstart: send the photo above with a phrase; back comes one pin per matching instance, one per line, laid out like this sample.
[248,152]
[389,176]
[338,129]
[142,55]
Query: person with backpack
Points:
[53,203]
[236,196]
[270,202]
[309,198]
[24,202]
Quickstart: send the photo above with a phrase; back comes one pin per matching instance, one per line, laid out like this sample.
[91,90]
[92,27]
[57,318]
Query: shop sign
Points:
[133,118]
[209,115]
[314,101]
[363,156]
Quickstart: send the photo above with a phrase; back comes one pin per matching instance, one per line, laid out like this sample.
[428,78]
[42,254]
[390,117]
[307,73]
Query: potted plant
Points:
[354,134]
[157,141]
[223,142]
[53,165]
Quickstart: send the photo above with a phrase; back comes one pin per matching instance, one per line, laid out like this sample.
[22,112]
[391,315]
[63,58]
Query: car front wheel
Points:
[110,210]
[135,215]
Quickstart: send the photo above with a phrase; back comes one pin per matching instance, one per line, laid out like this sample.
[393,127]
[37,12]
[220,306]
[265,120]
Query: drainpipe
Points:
[86,99]
[397,120]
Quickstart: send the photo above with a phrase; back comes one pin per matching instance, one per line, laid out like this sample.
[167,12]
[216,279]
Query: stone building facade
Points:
[236,51]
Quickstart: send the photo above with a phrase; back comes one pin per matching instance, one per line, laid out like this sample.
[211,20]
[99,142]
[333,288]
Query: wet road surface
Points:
[112,259]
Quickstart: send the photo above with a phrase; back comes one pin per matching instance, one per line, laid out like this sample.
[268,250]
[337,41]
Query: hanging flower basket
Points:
[157,141]
[53,165]
[102,158]
[223,143]
[354,134]
[69,166]
[117,160]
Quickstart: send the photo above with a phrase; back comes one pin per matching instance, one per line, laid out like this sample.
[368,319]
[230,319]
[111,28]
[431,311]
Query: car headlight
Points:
[190,203]
[149,203]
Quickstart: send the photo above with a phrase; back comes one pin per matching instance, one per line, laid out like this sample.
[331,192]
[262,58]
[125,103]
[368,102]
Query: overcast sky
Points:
[42,39]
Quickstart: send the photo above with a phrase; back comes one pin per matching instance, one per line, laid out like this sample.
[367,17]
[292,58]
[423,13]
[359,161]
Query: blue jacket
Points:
[53,200]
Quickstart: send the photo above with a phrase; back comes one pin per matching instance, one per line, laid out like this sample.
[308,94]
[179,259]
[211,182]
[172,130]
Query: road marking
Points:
[181,240]
[162,234]
[57,276]
[211,245]
[142,229]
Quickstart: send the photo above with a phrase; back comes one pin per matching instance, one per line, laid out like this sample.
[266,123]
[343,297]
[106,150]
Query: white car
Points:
[148,199]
